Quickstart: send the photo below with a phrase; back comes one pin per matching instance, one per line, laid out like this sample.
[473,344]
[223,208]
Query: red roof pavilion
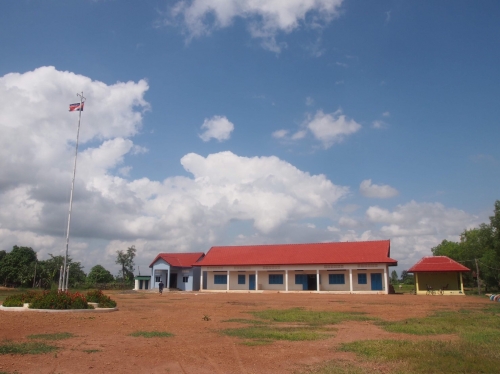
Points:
[437,264]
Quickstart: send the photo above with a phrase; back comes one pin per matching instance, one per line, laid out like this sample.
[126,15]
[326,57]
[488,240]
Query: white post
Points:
[67,278]
[461,284]
[201,279]
[350,280]
[227,285]
[317,280]
[168,278]
[136,287]
[256,280]
[60,278]
[286,280]
[386,280]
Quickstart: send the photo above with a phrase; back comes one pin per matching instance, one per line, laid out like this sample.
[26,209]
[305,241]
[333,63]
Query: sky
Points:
[211,122]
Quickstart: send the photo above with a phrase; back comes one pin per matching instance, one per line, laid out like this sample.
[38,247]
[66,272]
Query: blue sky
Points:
[216,123]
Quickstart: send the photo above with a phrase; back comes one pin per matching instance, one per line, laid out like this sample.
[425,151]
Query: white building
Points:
[348,267]
[176,270]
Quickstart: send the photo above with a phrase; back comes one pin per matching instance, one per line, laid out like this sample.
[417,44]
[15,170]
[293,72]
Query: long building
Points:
[347,267]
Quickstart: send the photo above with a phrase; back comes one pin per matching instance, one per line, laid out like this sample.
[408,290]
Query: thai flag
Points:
[76,107]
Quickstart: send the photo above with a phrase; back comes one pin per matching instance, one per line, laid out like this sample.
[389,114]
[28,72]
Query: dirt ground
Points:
[102,343]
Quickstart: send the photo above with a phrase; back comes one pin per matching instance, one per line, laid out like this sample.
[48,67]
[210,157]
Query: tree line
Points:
[21,268]
[479,250]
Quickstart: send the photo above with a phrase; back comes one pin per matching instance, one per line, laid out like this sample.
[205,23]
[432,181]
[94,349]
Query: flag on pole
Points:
[76,107]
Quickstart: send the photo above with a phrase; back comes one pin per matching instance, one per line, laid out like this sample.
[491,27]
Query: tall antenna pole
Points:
[64,286]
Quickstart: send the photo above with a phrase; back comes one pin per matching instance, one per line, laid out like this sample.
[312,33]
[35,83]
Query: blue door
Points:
[301,279]
[376,279]
[251,281]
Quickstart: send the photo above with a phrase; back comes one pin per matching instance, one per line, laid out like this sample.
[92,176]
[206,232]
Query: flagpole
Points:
[65,272]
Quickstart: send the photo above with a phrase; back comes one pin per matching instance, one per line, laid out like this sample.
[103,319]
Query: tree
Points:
[48,272]
[394,277]
[98,274]
[481,244]
[17,267]
[126,260]
[407,278]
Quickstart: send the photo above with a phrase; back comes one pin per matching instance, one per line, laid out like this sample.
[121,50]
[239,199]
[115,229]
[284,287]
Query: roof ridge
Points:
[288,244]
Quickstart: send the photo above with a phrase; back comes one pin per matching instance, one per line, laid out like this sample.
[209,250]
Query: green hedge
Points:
[96,296]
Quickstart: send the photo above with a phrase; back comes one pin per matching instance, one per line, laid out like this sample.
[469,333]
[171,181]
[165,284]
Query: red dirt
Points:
[198,347]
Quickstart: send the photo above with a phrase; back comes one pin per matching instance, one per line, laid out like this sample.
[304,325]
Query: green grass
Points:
[309,317]
[346,367]
[475,348]
[242,320]
[29,348]
[430,356]
[257,342]
[152,334]
[307,325]
[56,336]
[9,292]
[266,333]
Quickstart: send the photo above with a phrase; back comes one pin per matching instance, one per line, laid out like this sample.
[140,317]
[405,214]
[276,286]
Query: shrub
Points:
[59,300]
[20,299]
[97,296]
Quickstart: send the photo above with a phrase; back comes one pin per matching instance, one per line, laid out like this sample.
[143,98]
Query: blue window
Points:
[301,279]
[362,278]
[241,278]
[275,278]
[220,278]
[336,278]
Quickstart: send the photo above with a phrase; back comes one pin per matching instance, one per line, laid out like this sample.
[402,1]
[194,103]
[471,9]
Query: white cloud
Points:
[112,212]
[331,128]
[309,101]
[299,135]
[279,134]
[379,124]
[217,127]
[414,228]
[383,191]
[347,222]
[386,114]
[265,18]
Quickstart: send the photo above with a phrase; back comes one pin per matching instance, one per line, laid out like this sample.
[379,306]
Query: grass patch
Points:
[248,321]
[475,326]
[57,336]
[152,334]
[345,367]
[29,348]
[476,351]
[310,317]
[430,356]
[257,342]
[264,333]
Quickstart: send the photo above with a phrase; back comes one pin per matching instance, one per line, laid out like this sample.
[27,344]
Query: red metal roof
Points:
[300,254]
[181,260]
[437,263]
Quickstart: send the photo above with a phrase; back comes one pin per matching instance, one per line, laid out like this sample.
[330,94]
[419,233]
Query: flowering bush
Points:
[59,300]
[96,296]
[20,299]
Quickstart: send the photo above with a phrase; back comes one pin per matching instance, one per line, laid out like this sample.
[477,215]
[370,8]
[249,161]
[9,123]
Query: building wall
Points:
[438,280]
[162,269]
[324,271]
